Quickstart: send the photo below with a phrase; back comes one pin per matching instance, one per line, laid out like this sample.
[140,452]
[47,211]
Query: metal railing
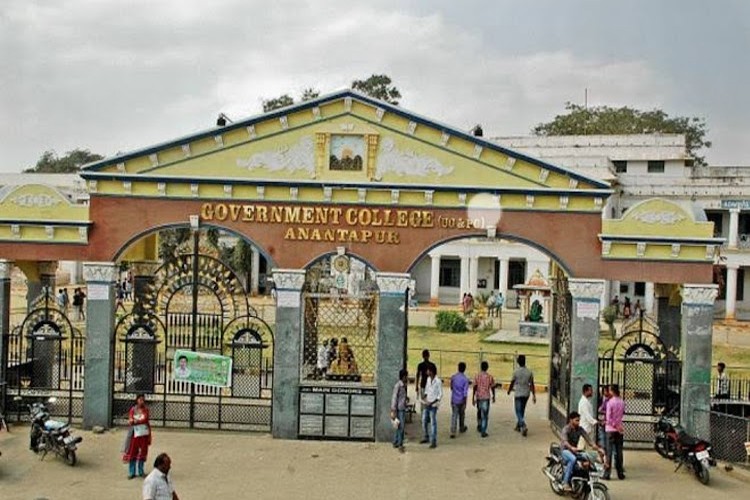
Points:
[739,388]
[728,435]
[502,363]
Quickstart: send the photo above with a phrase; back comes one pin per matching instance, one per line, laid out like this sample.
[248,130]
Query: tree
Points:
[379,87]
[50,163]
[605,120]
[277,102]
[309,94]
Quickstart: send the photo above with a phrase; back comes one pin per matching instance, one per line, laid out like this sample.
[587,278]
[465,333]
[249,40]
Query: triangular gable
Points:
[378,142]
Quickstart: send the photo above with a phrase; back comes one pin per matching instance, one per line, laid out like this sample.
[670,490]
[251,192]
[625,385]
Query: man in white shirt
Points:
[157,485]
[586,410]
[433,393]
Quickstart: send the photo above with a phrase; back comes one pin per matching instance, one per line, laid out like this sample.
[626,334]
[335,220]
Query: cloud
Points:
[113,76]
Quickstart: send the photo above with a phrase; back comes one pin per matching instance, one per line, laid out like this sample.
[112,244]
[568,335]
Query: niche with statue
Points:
[535,300]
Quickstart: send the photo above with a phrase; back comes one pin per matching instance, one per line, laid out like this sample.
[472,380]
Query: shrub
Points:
[609,315]
[450,321]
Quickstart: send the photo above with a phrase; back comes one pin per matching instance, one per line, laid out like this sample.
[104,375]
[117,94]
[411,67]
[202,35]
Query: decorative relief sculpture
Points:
[664,217]
[393,283]
[405,162]
[699,294]
[36,200]
[300,156]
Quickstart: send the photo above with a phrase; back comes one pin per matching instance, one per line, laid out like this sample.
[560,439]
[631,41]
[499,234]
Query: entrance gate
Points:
[649,376]
[561,345]
[195,302]
[45,359]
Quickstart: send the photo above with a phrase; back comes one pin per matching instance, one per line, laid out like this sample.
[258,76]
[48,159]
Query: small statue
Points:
[535,312]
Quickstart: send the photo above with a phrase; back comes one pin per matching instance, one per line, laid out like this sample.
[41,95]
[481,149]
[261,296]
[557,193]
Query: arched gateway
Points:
[349,175]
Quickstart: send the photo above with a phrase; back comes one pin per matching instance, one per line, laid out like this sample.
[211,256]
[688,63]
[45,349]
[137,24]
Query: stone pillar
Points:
[669,316]
[100,342]
[473,276]
[391,346]
[697,329]
[45,277]
[606,294]
[648,300]
[254,271]
[434,279]
[584,333]
[734,225]
[143,276]
[287,351]
[730,304]
[504,263]
[465,286]
[5,270]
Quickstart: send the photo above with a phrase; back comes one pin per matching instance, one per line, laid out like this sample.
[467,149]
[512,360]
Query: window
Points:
[516,273]
[624,288]
[621,166]
[640,289]
[450,272]
[718,219]
[723,284]
[656,167]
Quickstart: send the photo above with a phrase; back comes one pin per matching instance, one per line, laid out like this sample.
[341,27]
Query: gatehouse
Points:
[321,189]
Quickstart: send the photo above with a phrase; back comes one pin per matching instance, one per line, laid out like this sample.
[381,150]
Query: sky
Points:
[116,76]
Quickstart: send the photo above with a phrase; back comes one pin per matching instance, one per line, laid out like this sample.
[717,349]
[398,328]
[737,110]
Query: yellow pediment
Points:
[39,203]
[343,138]
[658,217]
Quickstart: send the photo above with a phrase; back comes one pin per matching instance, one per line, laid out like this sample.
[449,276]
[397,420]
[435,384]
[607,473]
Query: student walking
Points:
[398,409]
[433,393]
[484,388]
[523,384]
[459,394]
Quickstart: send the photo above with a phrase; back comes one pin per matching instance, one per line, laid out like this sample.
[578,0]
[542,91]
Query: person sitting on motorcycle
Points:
[571,436]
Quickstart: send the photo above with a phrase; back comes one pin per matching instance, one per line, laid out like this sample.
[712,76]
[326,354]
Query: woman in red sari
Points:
[139,437]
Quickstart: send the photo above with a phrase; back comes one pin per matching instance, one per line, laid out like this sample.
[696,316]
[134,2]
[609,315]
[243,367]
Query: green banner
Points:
[202,368]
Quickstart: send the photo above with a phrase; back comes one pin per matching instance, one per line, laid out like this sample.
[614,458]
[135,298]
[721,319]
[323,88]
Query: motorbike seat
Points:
[53,425]
[688,440]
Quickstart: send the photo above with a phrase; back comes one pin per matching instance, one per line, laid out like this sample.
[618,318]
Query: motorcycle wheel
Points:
[701,472]
[556,486]
[599,492]
[70,457]
[662,447]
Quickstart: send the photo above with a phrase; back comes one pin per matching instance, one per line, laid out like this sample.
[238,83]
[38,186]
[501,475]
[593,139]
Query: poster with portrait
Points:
[202,368]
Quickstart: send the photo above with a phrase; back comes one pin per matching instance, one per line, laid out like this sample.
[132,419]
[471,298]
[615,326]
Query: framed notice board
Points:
[336,412]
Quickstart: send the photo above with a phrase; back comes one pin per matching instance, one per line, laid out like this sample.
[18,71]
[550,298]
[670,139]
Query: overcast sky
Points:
[114,76]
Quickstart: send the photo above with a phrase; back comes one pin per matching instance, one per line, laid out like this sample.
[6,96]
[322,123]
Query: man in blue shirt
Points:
[459,394]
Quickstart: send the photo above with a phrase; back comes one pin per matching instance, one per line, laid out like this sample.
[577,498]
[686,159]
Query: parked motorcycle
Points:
[46,435]
[671,441]
[585,484]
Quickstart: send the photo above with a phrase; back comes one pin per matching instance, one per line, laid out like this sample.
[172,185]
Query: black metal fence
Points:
[729,435]
[738,388]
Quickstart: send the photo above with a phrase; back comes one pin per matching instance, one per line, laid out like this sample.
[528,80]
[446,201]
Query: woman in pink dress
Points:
[138,438]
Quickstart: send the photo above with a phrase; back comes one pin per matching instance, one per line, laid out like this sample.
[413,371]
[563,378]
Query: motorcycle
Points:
[671,441]
[585,483]
[48,435]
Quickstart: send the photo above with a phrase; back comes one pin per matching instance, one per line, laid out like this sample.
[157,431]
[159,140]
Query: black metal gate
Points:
[45,359]
[560,353]
[196,303]
[649,376]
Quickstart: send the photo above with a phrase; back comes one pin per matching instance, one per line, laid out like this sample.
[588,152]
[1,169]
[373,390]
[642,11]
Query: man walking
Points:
[398,409]
[523,383]
[433,393]
[722,382]
[421,379]
[459,394]
[157,485]
[615,431]
[484,387]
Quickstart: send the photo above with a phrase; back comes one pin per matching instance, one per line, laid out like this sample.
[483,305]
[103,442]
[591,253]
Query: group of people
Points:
[123,292]
[63,302]
[335,358]
[495,304]
[607,426]
[467,304]
[157,485]
[429,390]
[628,309]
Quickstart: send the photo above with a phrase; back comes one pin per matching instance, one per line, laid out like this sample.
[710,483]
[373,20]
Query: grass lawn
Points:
[448,349]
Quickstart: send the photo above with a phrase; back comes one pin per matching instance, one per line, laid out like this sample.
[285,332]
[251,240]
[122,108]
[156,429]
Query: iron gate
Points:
[194,302]
[560,355]
[649,376]
[45,359]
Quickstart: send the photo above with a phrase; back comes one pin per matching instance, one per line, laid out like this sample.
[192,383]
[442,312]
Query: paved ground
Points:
[213,465]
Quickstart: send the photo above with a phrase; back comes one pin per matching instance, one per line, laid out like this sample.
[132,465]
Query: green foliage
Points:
[242,260]
[379,87]
[277,102]
[309,94]
[50,163]
[481,298]
[581,120]
[170,239]
[609,314]
[450,321]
